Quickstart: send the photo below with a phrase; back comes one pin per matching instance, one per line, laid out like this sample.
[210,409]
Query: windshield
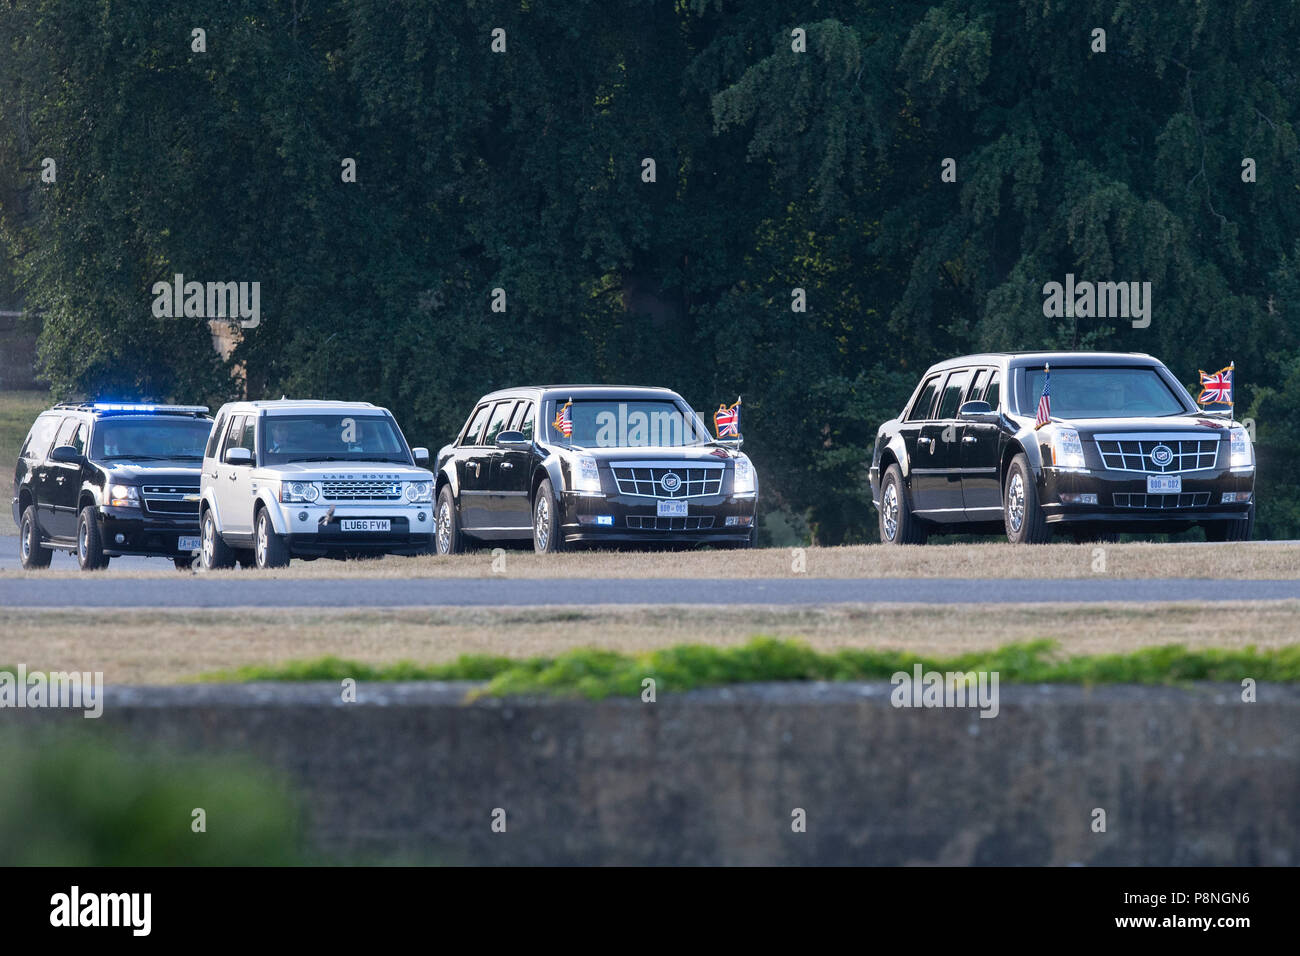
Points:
[1114,392]
[160,437]
[350,437]
[611,423]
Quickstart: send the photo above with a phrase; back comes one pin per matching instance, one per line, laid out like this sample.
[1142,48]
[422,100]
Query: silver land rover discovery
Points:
[311,479]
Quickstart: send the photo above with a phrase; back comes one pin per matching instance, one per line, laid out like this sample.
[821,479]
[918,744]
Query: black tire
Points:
[183,564]
[447,536]
[1238,529]
[90,545]
[1022,514]
[898,525]
[245,558]
[30,552]
[269,550]
[215,554]
[547,538]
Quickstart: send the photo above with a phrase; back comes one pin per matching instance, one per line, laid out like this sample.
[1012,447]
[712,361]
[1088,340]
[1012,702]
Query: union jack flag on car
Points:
[726,420]
[1216,388]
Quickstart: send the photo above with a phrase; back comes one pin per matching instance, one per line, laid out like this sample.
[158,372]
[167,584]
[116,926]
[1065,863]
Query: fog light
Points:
[420,517]
[302,516]
[1085,498]
[742,521]
[119,539]
[1236,497]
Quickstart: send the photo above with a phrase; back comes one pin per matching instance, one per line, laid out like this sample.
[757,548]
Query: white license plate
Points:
[365,524]
[1164,484]
[188,544]
[672,509]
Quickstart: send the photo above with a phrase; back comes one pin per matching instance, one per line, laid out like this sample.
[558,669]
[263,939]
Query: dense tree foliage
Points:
[776,169]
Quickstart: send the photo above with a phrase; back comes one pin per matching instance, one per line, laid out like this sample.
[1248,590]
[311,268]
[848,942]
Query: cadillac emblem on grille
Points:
[671,482]
[1162,455]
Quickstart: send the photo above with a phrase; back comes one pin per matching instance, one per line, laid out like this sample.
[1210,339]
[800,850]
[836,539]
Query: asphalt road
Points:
[252,591]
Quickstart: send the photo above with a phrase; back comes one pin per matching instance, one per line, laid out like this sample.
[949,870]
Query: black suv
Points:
[1125,449]
[563,464]
[102,479]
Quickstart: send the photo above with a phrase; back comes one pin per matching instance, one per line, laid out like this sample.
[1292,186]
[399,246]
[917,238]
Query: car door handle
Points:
[969,439]
[475,466]
[59,479]
[507,464]
[925,441]
[231,476]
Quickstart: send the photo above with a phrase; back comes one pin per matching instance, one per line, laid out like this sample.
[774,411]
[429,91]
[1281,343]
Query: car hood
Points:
[1196,425]
[346,471]
[182,472]
[701,453]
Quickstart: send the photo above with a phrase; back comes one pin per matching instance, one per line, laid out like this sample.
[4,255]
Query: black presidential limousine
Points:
[565,464]
[1126,449]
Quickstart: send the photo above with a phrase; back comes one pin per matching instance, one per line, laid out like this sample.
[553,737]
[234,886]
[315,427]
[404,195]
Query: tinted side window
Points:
[515,418]
[526,426]
[977,386]
[924,402]
[994,392]
[250,432]
[500,415]
[40,438]
[214,436]
[67,434]
[475,427]
[233,435]
[953,390]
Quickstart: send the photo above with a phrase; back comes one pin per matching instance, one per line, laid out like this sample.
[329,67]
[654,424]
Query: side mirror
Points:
[239,456]
[66,455]
[977,412]
[421,455]
[513,440]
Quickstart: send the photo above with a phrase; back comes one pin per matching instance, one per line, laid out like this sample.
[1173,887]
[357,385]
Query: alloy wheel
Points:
[890,506]
[444,528]
[1016,501]
[542,523]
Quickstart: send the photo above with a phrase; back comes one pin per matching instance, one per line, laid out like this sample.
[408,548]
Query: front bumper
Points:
[712,519]
[1122,498]
[311,530]
[128,531]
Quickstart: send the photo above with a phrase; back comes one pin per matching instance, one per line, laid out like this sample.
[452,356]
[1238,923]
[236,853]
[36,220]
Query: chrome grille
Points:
[646,479]
[1133,453]
[651,523]
[170,499]
[361,490]
[1196,499]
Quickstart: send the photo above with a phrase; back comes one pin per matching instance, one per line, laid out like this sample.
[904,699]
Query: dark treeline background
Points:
[775,170]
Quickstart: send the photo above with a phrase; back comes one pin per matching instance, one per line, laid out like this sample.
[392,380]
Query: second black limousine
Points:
[1123,448]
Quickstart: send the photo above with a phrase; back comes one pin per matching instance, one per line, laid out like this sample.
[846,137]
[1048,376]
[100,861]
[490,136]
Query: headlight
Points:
[1067,450]
[299,492]
[586,476]
[419,491]
[745,483]
[1242,456]
[124,496]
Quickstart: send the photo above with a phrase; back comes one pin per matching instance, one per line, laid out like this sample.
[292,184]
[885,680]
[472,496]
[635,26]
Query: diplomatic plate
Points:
[365,524]
[1164,484]
[672,509]
[188,544]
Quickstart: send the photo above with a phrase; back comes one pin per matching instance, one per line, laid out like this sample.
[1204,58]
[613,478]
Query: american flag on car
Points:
[1045,400]
[564,420]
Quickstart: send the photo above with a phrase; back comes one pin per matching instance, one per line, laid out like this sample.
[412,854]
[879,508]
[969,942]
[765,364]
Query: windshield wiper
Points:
[141,457]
